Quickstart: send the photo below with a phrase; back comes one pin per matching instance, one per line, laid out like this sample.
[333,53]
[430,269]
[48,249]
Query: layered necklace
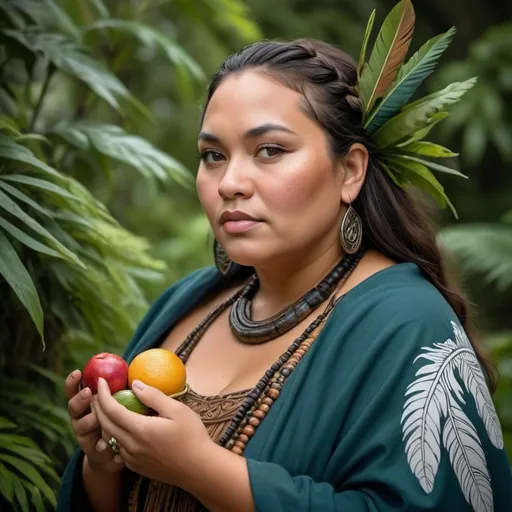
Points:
[249,331]
[261,398]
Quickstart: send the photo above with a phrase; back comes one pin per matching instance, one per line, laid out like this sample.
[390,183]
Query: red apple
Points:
[111,367]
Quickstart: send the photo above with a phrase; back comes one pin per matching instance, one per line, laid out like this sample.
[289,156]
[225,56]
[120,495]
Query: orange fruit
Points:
[159,368]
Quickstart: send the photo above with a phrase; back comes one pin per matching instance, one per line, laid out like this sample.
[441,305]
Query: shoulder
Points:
[385,324]
[399,297]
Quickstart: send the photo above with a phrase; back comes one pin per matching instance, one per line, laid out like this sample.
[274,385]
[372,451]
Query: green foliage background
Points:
[99,110]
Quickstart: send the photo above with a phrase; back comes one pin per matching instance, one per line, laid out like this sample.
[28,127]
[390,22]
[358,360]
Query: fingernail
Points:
[101,445]
[86,392]
[138,384]
[118,459]
[73,374]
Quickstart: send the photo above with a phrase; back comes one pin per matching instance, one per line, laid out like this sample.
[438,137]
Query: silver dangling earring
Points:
[351,233]
[224,265]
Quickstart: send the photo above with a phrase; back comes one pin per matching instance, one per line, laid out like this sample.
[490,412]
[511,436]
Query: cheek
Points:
[207,193]
[308,184]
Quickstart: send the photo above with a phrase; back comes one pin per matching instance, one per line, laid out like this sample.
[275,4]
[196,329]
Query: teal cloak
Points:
[389,410]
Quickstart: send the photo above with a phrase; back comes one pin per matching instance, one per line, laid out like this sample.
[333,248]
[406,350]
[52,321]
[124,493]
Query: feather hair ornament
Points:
[386,83]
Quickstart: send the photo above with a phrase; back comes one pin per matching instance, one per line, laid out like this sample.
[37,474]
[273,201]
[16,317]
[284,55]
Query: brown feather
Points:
[398,51]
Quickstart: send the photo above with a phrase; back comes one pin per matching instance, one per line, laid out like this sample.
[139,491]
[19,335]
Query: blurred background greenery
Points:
[99,110]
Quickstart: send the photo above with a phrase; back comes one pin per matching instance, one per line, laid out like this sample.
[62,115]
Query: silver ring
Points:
[114,444]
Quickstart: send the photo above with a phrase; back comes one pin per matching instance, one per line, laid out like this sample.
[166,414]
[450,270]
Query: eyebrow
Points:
[253,132]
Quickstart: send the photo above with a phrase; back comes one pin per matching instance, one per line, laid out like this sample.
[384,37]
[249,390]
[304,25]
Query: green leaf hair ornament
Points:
[387,83]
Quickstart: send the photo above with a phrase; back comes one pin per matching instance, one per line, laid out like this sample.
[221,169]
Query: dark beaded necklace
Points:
[261,398]
[250,331]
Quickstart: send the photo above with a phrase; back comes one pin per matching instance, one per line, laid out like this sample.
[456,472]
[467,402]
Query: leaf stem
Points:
[37,109]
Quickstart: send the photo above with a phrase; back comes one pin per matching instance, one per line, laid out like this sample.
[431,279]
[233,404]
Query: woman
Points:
[344,377]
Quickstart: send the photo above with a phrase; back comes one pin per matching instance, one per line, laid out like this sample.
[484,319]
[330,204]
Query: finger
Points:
[86,425]
[117,414]
[103,446]
[72,384]
[109,428]
[155,399]
[79,404]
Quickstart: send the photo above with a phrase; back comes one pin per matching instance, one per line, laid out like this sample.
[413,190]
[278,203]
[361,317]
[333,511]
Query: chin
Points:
[258,258]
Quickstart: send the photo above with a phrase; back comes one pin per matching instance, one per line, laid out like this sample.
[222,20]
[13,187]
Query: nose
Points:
[235,182]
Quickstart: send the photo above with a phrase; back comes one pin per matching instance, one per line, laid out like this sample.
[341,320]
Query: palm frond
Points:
[15,273]
[482,249]
[152,37]
[68,56]
[114,142]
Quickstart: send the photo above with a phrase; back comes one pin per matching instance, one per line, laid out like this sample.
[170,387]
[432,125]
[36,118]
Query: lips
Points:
[236,222]
[236,216]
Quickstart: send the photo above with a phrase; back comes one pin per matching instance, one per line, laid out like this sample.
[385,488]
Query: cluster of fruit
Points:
[157,367]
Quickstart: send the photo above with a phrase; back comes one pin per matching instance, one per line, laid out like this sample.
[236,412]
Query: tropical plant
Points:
[73,279]
[484,119]
[70,275]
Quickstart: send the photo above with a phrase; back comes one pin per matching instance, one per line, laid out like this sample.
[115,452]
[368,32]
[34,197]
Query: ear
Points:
[353,166]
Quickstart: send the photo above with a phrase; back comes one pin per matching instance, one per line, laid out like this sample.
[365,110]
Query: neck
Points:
[283,285]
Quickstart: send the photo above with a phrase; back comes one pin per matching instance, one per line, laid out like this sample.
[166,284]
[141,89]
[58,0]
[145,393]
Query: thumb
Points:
[153,398]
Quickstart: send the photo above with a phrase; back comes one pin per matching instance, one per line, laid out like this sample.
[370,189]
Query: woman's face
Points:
[261,155]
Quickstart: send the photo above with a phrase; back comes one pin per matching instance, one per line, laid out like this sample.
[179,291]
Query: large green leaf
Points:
[417,174]
[79,197]
[429,149]
[14,192]
[418,115]
[48,14]
[18,278]
[6,424]
[31,474]
[388,54]
[135,151]
[152,37]
[6,483]
[12,151]
[69,57]
[27,240]
[14,441]
[12,208]
[20,494]
[41,184]
[427,163]
[410,76]
[37,499]
[423,132]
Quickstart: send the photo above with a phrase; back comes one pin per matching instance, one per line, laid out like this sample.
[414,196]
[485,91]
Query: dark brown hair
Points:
[393,225]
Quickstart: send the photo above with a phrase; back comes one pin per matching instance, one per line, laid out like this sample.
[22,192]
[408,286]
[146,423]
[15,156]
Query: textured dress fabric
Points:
[145,495]
[388,410]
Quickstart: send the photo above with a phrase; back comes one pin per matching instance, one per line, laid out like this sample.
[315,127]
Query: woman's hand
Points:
[170,447]
[87,428]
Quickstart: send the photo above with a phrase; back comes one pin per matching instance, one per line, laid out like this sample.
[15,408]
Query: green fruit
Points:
[127,398]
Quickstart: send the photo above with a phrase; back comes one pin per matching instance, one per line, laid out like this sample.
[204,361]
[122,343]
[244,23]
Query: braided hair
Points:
[326,77]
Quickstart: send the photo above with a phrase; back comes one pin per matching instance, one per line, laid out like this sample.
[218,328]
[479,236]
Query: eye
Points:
[269,151]
[210,156]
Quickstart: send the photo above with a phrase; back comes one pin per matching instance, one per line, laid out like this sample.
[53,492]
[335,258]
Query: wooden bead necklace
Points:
[262,397]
